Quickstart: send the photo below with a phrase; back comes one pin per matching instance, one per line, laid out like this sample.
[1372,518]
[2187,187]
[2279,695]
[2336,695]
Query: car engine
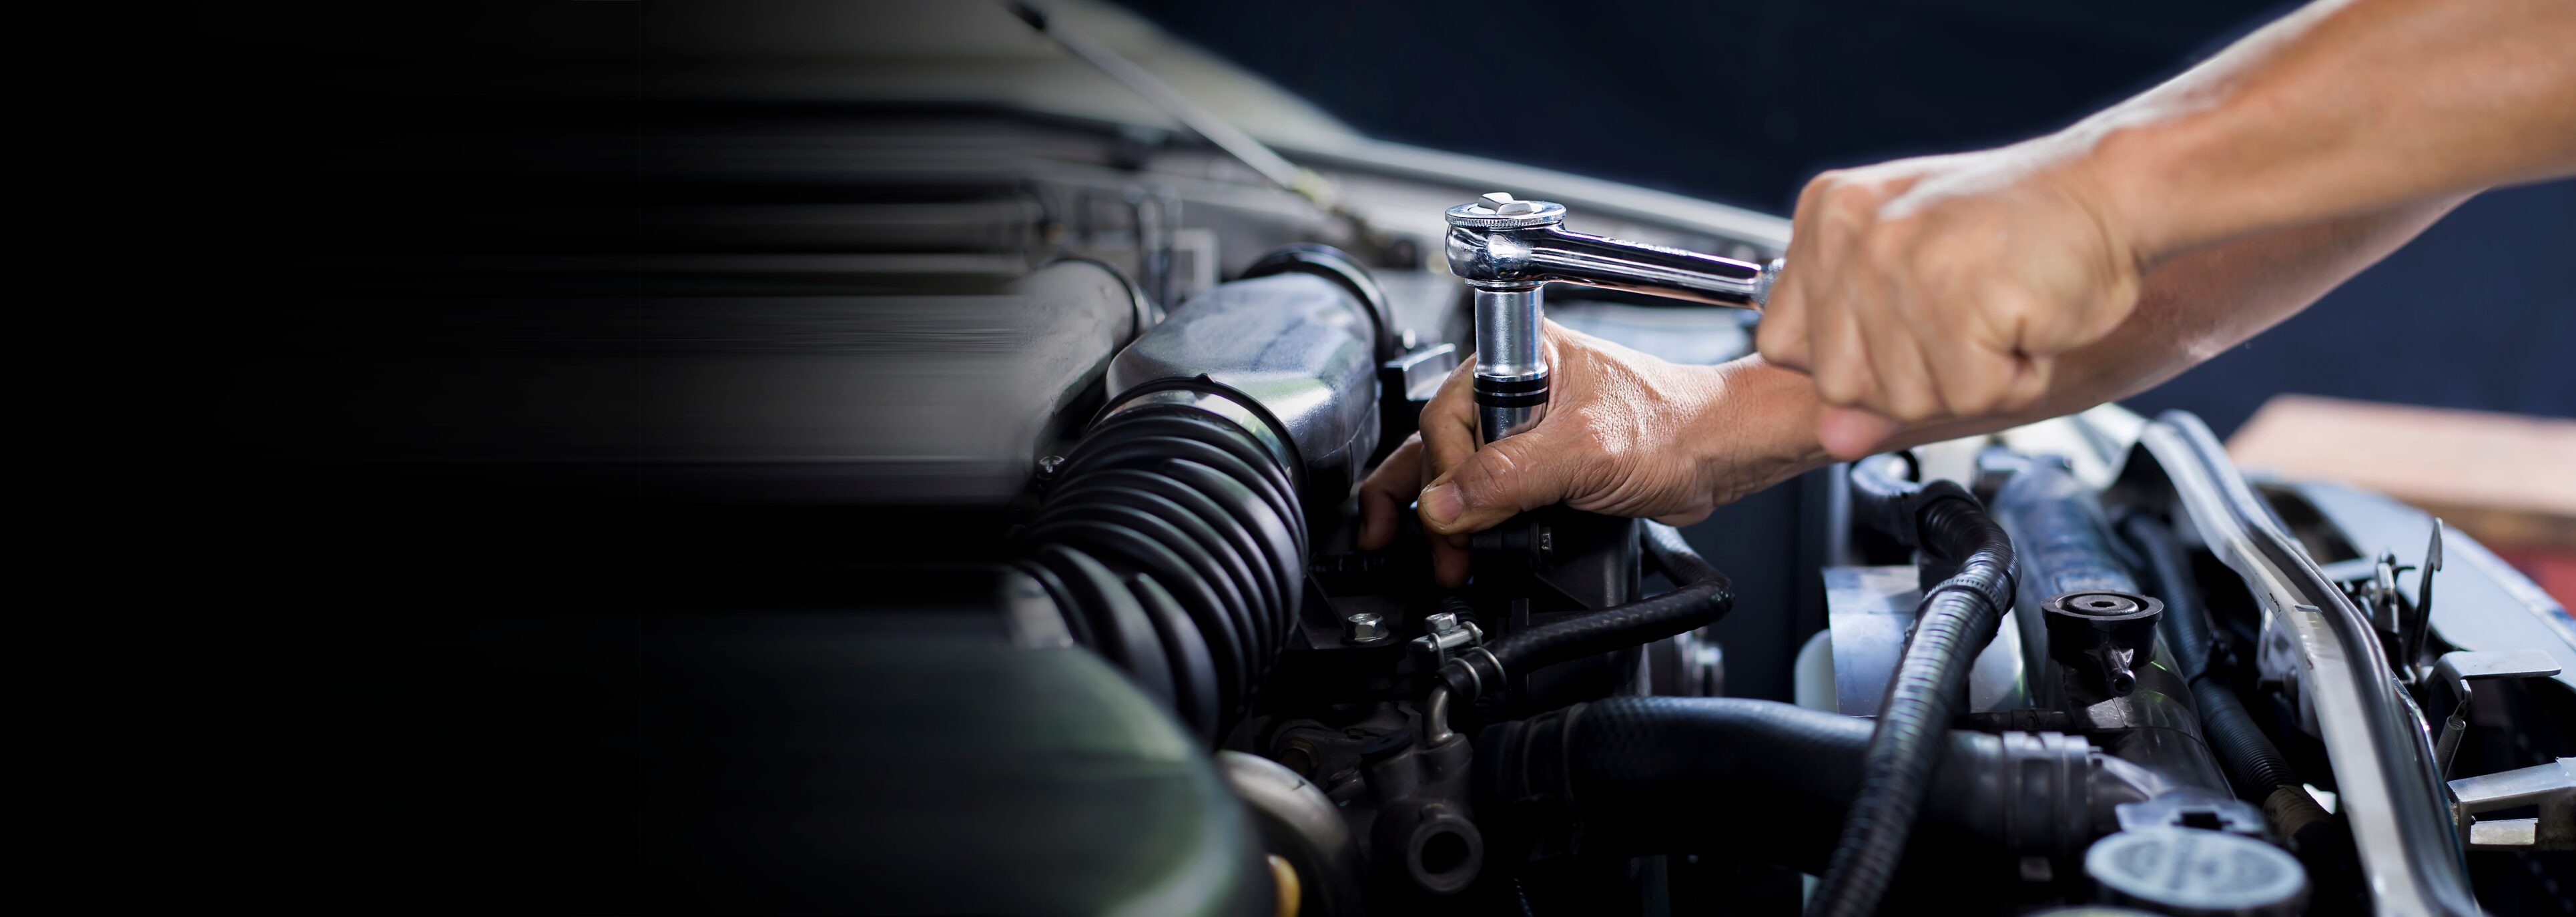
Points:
[970,529]
[2084,663]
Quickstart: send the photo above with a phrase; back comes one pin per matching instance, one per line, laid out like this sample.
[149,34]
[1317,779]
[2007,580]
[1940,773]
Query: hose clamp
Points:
[1446,636]
[1477,680]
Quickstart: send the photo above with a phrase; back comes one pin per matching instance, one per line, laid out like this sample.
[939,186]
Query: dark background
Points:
[1741,102]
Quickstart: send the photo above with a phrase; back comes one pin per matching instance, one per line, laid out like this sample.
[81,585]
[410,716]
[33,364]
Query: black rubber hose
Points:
[1173,544]
[1955,621]
[1768,780]
[1878,495]
[2185,624]
[1701,597]
[2255,767]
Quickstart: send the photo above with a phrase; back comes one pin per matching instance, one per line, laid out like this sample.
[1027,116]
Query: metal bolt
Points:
[1363,628]
[1048,465]
[1441,623]
[1298,755]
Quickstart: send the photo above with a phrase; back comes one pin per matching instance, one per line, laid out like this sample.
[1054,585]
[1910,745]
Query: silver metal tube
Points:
[1511,361]
[1435,716]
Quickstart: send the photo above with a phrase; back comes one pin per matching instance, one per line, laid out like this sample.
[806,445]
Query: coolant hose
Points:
[2185,624]
[1701,597]
[1879,495]
[2255,767]
[1955,621]
[1645,775]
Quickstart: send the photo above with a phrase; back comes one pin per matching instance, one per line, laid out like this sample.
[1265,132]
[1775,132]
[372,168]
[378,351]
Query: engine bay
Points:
[2086,662]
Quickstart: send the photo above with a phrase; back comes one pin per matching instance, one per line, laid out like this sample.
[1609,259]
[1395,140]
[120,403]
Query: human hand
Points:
[1625,434]
[1946,287]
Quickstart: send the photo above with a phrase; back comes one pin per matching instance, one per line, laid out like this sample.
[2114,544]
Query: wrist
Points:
[1760,428]
[2119,174]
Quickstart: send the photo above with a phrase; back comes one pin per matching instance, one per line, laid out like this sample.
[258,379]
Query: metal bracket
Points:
[2456,670]
[2551,786]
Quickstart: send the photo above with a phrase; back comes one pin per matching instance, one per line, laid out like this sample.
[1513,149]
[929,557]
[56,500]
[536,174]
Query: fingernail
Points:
[1440,504]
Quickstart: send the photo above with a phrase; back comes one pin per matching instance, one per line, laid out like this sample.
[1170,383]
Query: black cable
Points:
[1703,596]
[1767,780]
[2255,767]
[1955,621]
[1878,495]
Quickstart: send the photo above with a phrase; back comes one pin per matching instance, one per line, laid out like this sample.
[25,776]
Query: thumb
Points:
[1781,336]
[1852,433]
[1495,483]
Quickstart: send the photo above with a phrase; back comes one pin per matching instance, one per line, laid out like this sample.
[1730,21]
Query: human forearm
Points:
[2341,108]
[2190,309]
[1952,292]
[1632,435]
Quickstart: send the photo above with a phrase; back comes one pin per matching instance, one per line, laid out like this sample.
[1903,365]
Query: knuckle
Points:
[1489,472]
[1824,183]
[1602,437]
[1849,204]
[1890,245]
[1392,474]
[1837,381]
[1976,397]
[1908,404]
[1780,348]
[1519,473]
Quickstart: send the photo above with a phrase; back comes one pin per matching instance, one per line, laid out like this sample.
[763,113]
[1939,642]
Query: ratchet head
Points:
[1485,245]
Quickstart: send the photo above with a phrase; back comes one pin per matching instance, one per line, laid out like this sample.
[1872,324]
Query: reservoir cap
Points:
[2196,872]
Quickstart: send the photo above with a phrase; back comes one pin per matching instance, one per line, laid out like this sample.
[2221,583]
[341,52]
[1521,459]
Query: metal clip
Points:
[1447,636]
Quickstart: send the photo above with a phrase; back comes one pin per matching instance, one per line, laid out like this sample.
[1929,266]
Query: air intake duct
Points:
[1172,538]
